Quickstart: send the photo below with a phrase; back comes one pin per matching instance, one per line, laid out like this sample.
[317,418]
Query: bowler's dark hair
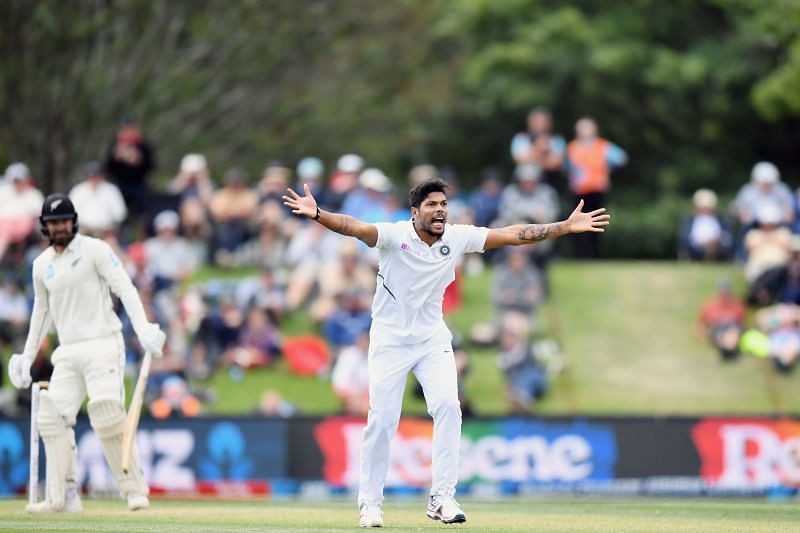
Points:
[421,191]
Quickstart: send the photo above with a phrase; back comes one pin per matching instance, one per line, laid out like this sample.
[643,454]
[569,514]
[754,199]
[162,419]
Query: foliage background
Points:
[695,91]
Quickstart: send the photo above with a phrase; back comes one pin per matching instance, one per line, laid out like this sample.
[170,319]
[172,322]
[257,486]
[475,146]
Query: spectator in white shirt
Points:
[20,203]
[99,202]
[765,188]
[170,258]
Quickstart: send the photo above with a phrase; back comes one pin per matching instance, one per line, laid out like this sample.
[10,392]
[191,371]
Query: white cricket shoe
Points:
[71,505]
[370,516]
[446,509]
[137,501]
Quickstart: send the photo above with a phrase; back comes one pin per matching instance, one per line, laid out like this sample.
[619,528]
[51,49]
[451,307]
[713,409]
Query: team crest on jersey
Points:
[50,272]
[444,250]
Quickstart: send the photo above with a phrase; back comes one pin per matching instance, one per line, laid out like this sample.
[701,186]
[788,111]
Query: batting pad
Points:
[108,421]
[59,449]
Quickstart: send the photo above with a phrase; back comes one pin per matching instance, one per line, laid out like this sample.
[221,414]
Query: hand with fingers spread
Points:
[302,205]
[594,221]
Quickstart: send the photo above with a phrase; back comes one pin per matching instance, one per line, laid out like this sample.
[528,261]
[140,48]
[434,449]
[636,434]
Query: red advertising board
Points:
[749,452]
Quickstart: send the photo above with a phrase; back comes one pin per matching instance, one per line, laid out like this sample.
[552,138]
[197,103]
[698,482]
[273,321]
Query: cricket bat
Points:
[135,409]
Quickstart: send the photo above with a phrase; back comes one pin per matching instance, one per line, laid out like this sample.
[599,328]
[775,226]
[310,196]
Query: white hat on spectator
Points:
[17,172]
[528,172]
[350,163]
[166,220]
[373,178]
[309,168]
[765,172]
[705,199]
[769,214]
[193,163]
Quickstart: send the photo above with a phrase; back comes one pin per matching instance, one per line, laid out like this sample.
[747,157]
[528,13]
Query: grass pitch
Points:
[551,514]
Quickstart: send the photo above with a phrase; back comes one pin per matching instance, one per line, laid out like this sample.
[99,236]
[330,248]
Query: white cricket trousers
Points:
[93,366]
[434,366]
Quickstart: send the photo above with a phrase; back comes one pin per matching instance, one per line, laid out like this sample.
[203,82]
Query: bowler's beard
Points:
[426,227]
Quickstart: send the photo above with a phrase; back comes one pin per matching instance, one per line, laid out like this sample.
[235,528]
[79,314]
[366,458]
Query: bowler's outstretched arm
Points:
[344,224]
[519,234]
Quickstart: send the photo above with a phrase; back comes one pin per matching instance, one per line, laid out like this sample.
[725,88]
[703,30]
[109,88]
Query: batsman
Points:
[71,281]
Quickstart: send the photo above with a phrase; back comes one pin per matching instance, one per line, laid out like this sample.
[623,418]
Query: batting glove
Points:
[19,370]
[152,340]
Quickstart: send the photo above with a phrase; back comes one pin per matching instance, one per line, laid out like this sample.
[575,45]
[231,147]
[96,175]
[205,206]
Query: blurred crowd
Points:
[760,232]
[169,227]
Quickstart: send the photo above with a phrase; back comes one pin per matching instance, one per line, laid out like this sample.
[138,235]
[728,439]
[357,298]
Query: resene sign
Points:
[749,452]
[251,457]
[507,450]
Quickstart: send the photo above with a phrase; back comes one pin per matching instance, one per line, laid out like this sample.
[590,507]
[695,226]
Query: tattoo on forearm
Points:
[539,232]
[344,225]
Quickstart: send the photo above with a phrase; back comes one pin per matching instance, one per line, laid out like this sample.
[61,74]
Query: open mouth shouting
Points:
[437,223]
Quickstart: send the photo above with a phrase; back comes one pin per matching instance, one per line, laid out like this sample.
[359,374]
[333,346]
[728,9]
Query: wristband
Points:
[318,214]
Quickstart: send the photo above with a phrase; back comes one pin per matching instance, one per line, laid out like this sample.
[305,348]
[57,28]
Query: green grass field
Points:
[552,514]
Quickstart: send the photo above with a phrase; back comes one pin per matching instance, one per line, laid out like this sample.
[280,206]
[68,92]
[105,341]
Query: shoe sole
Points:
[457,519]
[370,525]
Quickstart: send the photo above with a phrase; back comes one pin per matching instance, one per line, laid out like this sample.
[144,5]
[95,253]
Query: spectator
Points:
[266,291]
[272,404]
[13,315]
[273,184]
[217,333]
[269,246]
[129,161]
[193,180]
[347,274]
[170,259]
[99,202]
[421,173]
[526,379]
[764,189]
[344,179]
[20,206]
[721,321]
[458,209]
[705,235]
[790,286]
[175,400]
[590,161]
[485,201]
[517,286]
[768,251]
[539,145]
[368,201]
[197,230]
[232,210]
[350,377]
[348,321]
[781,324]
[530,202]
[259,342]
[309,251]
[310,171]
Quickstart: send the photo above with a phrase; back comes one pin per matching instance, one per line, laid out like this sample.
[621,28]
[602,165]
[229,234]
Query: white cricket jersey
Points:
[413,276]
[72,290]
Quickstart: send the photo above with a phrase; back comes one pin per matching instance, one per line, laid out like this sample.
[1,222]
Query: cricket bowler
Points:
[417,261]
